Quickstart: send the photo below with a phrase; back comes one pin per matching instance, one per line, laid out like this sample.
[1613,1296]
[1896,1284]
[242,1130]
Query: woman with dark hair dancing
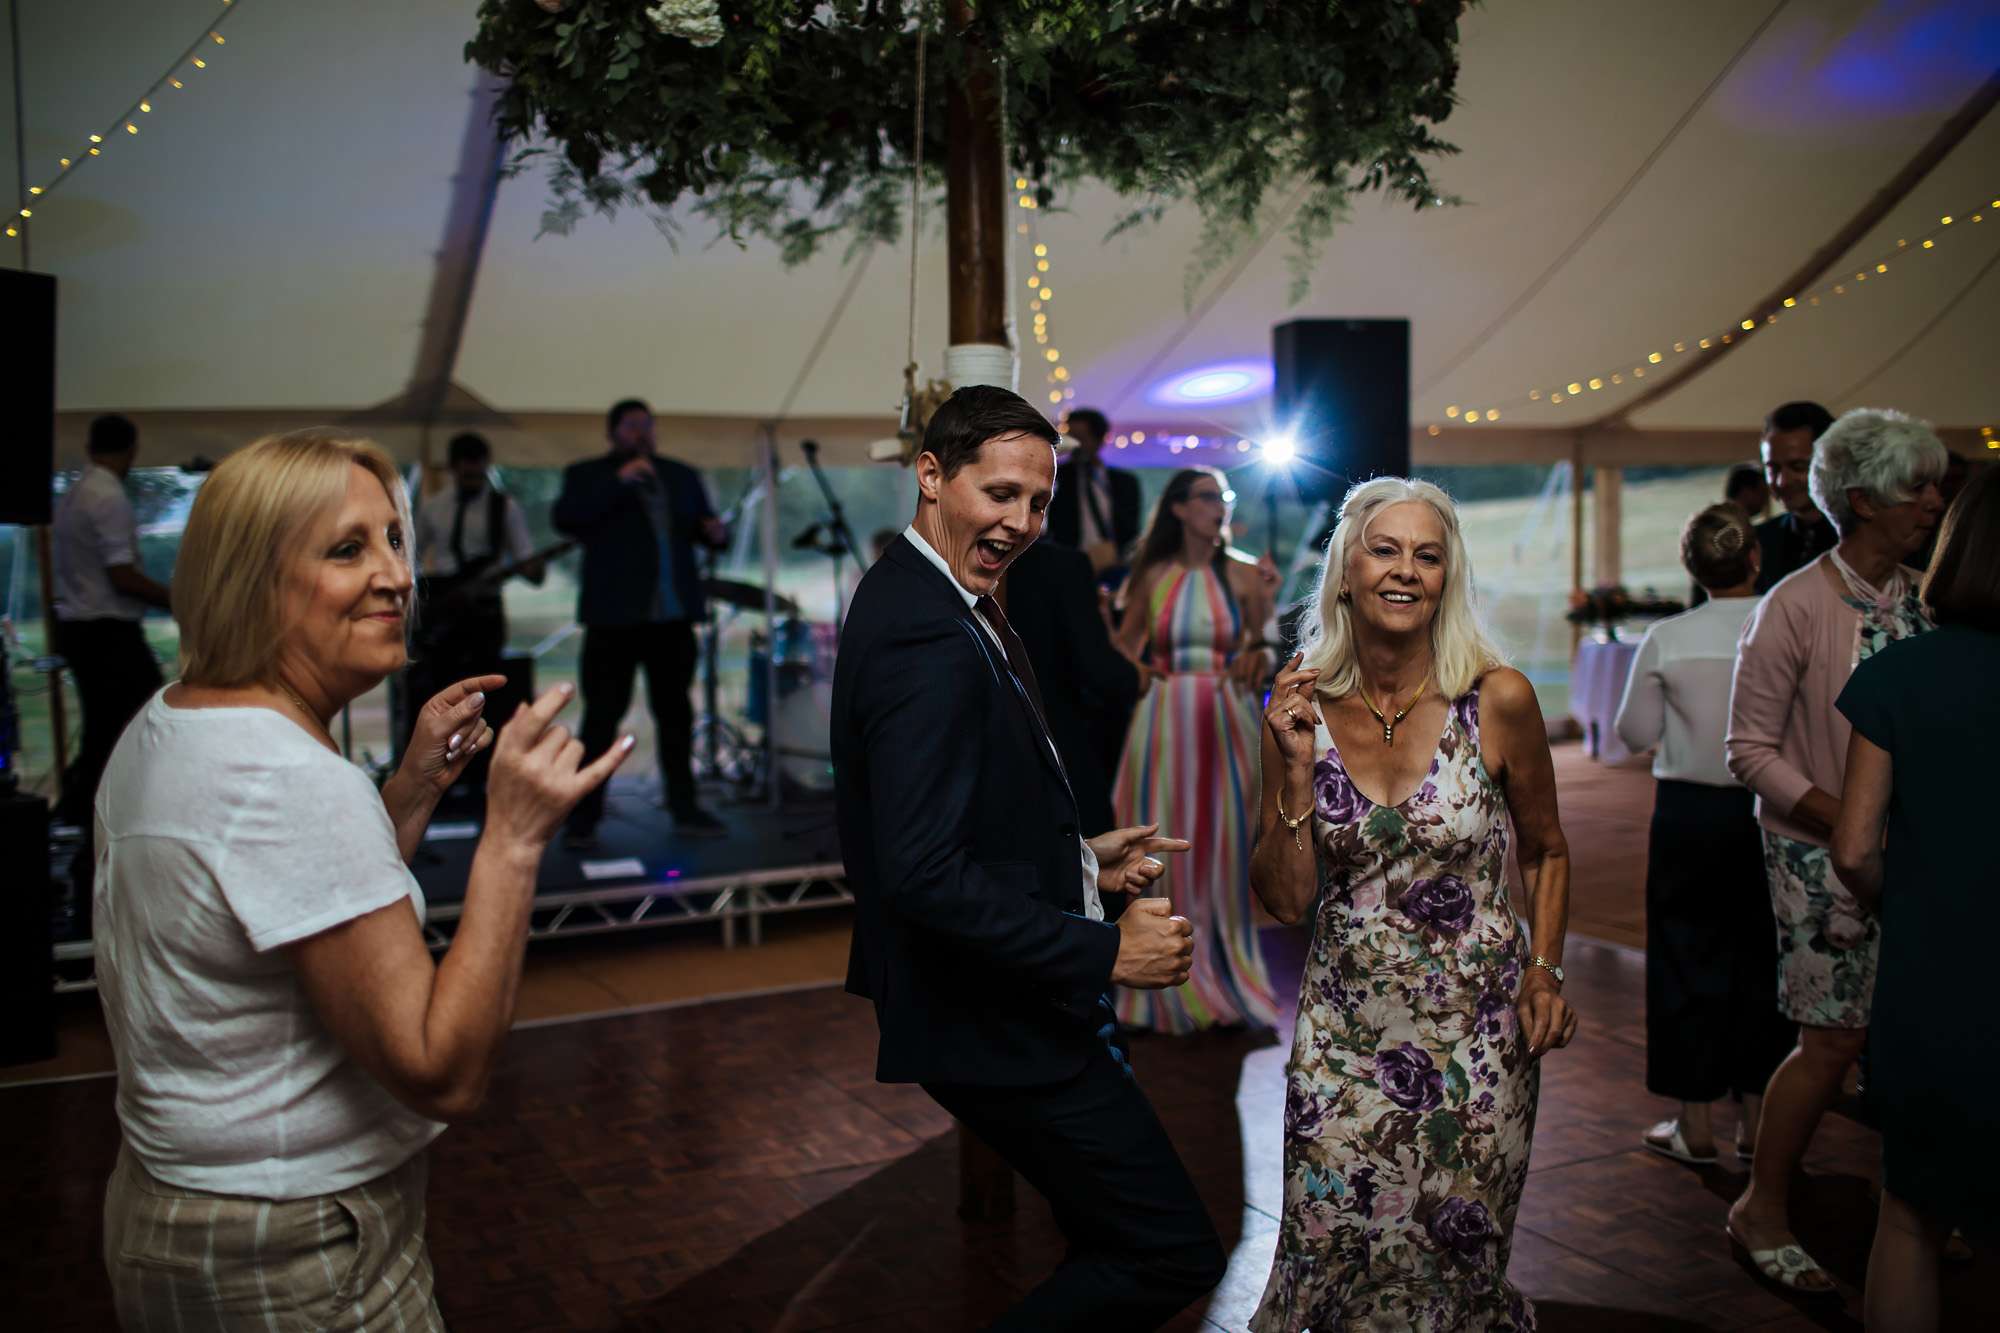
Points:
[1194,612]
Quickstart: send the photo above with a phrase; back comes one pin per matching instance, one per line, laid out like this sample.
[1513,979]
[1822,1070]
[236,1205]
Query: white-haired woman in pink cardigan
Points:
[1875,475]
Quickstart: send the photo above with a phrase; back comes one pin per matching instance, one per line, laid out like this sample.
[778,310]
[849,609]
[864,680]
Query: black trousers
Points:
[1141,1245]
[1712,1021]
[610,655]
[115,674]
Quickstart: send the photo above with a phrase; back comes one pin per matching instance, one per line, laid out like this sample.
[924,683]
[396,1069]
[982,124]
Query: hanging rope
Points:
[916,214]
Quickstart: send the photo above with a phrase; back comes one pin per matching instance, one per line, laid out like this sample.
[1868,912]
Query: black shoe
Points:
[580,839]
[694,822]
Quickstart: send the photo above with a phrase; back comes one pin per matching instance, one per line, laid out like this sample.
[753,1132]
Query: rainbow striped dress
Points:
[1191,764]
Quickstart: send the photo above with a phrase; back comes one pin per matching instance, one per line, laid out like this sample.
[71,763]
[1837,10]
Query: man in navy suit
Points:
[981,931]
[639,518]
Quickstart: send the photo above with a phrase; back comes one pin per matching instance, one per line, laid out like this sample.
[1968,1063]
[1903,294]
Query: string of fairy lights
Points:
[1571,390]
[194,59]
[1041,295]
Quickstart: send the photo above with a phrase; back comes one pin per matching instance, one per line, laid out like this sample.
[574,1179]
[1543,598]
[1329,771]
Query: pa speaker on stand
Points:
[1342,391]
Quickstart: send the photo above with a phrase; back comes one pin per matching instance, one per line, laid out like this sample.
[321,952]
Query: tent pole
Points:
[976,247]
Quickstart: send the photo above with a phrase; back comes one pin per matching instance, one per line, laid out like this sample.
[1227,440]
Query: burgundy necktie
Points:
[1017,655]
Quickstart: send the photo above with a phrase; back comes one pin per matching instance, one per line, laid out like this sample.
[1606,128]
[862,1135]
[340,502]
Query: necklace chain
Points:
[305,708]
[1388,723]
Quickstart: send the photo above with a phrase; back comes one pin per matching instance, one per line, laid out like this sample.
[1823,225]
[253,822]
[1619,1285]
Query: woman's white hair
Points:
[1884,454]
[1461,651]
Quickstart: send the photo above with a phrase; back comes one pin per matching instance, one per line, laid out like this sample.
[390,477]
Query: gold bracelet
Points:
[1290,823]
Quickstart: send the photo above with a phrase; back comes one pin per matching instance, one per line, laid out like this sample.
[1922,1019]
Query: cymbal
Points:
[748,596]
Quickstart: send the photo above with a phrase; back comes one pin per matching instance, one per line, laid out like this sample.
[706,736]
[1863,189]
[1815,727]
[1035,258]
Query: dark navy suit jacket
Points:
[961,841]
[621,563]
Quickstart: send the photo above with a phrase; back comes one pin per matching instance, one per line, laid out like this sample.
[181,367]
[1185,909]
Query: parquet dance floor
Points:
[732,1166]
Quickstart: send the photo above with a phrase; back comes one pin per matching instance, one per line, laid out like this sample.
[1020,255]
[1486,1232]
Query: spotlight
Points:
[1280,450]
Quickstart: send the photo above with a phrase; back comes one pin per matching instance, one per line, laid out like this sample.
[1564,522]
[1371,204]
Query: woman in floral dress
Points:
[1193,616]
[1875,475]
[1396,747]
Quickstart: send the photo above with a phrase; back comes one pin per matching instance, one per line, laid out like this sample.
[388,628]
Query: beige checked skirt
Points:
[186,1259]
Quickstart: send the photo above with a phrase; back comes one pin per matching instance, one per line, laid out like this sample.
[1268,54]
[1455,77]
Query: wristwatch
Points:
[1553,969]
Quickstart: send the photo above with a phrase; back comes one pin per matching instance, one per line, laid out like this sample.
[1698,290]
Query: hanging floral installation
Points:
[790,120]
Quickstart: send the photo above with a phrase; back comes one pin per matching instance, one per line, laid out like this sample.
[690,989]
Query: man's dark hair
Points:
[112,435]
[468,448]
[978,413]
[1742,477]
[1802,415]
[1098,424]
[1962,586]
[620,408]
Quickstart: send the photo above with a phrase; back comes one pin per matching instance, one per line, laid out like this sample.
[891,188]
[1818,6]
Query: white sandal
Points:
[1784,1265]
[1666,1139]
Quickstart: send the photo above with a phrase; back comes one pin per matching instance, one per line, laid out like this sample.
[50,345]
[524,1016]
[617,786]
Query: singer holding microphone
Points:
[639,517]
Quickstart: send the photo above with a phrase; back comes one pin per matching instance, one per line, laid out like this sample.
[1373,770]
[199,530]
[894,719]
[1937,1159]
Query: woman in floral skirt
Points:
[1875,475]
[1395,748]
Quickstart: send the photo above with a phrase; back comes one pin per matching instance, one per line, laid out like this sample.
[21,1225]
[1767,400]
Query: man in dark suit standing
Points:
[1096,508]
[980,932]
[1088,686]
[639,518]
[1798,534]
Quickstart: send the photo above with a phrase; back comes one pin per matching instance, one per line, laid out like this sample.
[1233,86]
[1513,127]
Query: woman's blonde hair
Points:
[1717,546]
[1461,651]
[245,534]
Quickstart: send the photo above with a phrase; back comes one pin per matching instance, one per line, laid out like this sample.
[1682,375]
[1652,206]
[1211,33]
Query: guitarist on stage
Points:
[469,537]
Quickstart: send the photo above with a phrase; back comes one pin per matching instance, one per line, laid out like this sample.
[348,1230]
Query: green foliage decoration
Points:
[796,125]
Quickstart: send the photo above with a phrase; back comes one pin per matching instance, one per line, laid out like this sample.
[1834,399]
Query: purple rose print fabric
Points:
[1410,1100]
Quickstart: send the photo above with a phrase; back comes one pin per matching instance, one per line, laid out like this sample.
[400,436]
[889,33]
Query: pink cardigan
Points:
[1785,736]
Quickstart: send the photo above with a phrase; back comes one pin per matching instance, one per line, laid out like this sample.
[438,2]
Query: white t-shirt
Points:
[94,528]
[223,833]
[1677,696]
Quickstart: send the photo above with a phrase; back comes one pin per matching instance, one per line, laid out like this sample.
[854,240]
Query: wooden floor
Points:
[732,1166]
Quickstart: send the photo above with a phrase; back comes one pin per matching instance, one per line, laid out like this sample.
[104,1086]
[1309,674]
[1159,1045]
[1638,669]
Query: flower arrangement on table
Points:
[1610,605]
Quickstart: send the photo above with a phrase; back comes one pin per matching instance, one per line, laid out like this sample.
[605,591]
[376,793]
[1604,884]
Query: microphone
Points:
[810,448]
[809,539]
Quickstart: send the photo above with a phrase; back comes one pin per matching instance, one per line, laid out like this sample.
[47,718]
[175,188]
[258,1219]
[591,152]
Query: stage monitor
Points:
[1342,389]
[27,396]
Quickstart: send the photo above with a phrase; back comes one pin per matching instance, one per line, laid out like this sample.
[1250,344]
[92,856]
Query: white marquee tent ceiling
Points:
[267,242]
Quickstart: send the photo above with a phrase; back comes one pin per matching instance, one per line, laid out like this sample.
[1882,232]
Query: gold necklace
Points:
[291,694]
[1388,723]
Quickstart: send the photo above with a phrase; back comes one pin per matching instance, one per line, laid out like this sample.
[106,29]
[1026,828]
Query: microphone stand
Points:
[835,523]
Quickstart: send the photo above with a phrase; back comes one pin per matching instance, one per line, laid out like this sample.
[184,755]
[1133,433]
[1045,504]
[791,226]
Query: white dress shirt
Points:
[1677,697]
[94,529]
[436,515]
[1093,903]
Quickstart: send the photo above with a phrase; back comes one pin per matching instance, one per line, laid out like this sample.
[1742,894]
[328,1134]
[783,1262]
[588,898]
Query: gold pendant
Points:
[1388,735]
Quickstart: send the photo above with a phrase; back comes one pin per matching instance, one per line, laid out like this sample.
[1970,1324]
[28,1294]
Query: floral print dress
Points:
[1410,1096]
[1828,943]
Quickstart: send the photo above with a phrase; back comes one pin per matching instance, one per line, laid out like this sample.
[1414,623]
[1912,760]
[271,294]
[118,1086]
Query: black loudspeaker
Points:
[27,396]
[27,958]
[1342,389]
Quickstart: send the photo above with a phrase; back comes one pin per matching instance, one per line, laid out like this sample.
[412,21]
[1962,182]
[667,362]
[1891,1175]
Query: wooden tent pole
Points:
[976,249]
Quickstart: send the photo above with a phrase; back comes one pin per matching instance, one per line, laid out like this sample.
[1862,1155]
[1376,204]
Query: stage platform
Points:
[639,877]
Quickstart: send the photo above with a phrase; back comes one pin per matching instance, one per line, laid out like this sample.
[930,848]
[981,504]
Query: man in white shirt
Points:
[1095,508]
[101,593]
[467,534]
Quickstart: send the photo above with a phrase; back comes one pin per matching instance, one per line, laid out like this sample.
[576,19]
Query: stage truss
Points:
[747,897]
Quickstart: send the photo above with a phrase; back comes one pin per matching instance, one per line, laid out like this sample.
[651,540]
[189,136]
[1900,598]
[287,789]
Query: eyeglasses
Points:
[1224,498]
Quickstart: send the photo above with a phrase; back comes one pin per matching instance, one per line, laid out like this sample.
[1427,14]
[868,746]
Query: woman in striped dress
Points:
[1194,611]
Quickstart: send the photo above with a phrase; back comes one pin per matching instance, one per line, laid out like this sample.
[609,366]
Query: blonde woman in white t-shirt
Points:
[286,1045]
[1713,1029]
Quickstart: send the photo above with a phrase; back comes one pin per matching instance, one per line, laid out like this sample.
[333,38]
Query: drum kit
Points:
[725,750]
